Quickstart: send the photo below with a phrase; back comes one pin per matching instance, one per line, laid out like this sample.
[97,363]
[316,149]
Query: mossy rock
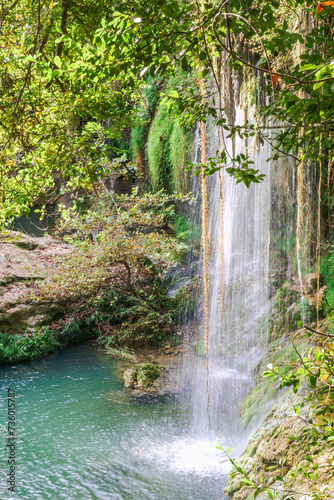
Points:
[141,375]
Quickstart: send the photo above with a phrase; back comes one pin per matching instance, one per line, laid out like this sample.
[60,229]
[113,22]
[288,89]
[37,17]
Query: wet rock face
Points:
[311,286]
[23,261]
[277,446]
[142,376]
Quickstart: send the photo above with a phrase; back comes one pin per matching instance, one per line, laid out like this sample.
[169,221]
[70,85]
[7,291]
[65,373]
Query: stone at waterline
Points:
[142,376]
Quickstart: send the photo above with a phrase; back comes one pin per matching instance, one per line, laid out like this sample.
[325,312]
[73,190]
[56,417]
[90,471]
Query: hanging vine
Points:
[205,242]
[317,252]
[329,169]
[221,243]
[300,200]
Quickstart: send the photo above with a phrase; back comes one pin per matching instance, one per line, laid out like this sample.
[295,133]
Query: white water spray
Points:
[234,342]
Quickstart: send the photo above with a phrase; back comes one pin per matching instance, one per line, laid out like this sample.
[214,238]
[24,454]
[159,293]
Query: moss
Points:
[146,374]
[283,319]
[253,405]
[137,142]
[141,375]
[180,145]
[168,147]
[158,151]
[266,390]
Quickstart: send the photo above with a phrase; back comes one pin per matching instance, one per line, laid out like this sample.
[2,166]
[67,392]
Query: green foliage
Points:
[113,271]
[168,149]
[327,271]
[51,128]
[16,348]
[108,239]
[180,146]
[129,320]
[188,230]
[66,69]
[241,170]
[123,315]
[138,138]
[158,151]
[145,112]
[123,169]
[181,224]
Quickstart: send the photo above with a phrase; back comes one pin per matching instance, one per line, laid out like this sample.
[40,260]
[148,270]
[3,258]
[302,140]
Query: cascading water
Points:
[243,282]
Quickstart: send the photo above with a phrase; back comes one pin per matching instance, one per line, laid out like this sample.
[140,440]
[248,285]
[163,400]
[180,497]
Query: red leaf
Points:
[321,6]
[275,79]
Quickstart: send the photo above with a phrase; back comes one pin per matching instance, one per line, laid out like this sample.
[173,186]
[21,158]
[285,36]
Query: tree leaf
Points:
[57,61]
[55,73]
[204,73]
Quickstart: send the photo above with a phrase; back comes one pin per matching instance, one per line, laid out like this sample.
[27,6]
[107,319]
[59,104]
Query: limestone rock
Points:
[24,260]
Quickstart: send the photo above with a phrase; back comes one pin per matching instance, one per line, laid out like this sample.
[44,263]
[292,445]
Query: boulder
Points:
[142,376]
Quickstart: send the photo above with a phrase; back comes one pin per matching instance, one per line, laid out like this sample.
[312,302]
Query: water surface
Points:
[83,437]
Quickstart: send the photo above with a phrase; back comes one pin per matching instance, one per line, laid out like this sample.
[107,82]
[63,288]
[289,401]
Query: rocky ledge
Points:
[25,260]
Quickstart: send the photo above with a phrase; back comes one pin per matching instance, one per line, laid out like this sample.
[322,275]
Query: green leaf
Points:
[202,55]
[318,355]
[55,73]
[57,61]
[310,66]
[204,73]
[184,64]
[318,85]
[313,380]
[246,481]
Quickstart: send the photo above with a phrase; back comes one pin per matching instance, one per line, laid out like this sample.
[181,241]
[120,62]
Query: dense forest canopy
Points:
[69,67]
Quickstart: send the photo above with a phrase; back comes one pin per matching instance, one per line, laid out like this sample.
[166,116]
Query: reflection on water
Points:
[82,437]
[33,224]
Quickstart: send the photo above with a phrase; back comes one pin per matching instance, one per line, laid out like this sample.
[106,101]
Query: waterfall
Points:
[234,334]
